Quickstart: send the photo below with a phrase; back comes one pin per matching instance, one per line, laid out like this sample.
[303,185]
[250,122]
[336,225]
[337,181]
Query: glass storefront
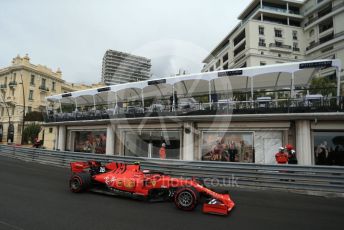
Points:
[227,146]
[328,148]
[147,143]
[90,141]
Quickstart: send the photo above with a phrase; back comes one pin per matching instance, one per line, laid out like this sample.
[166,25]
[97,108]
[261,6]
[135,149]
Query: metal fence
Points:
[309,179]
[222,107]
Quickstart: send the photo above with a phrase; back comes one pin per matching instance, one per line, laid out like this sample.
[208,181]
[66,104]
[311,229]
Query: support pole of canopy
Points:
[94,102]
[60,106]
[252,93]
[338,84]
[116,106]
[210,102]
[76,104]
[143,100]
[173,99]
[292,88]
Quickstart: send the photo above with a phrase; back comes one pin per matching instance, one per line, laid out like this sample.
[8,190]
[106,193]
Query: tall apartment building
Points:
[277,31]
[323,27]
[119,67]
[25,84]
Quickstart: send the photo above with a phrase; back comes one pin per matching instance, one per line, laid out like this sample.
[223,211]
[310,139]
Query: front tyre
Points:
[80,182]
[186,198]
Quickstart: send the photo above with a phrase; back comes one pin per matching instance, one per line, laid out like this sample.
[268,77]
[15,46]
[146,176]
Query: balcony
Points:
[43,88]
[10,100]
[268,106]
[262,44]
[3,86]
[12,84]
[281,10]
[280,47]
[324,40]
[324,13]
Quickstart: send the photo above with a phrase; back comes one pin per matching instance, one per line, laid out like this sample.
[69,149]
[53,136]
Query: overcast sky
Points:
[74,35]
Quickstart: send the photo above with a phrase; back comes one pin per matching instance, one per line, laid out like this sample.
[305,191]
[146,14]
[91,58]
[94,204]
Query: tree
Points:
[31,132]
[323,86]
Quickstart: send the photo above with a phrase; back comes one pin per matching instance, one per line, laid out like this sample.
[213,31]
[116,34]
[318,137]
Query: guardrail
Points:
[309,179]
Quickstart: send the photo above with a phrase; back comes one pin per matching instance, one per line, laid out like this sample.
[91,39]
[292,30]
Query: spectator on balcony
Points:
[175,100]
[214,100]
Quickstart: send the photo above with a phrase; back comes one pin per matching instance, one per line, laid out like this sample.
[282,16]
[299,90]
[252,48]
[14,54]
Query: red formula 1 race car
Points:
[128,180]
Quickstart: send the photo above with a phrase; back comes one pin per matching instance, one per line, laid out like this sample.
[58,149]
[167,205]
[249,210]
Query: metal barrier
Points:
[222,107]
[309,179]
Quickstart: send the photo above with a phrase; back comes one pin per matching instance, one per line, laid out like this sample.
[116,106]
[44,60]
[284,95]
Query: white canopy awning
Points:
[279,76]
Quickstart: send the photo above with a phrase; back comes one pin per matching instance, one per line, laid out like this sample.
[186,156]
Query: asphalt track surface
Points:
[35,196]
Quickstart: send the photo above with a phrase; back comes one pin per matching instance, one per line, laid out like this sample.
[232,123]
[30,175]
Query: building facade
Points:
[281,31]
[119,67]
[135,123]
[23,88]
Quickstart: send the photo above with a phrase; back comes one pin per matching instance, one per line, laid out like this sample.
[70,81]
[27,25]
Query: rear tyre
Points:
[80,182]
[186,198]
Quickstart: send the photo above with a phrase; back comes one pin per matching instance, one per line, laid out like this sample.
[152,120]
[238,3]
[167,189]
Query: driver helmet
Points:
[163,145]
[292,152]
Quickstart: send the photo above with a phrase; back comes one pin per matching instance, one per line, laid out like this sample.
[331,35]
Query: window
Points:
[262,42]
[211,68]
[262,63]
[225,66]
[14,76]
[31,95]
[218,63]
[278,33]
[90,141]
[53,86]
[278,43]
[43,82]
[311,33]
[29,109]
[32,81]
[261,30]
[13,111]
[279,55]
[262,53]
[240,146]
[50,130]
[2,111]
[225,58]
[296,47]
[147,143]
[295,35]
[328,147]
[296,57]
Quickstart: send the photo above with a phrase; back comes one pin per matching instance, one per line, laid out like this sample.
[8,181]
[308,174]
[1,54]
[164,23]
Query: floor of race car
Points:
[34,196]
